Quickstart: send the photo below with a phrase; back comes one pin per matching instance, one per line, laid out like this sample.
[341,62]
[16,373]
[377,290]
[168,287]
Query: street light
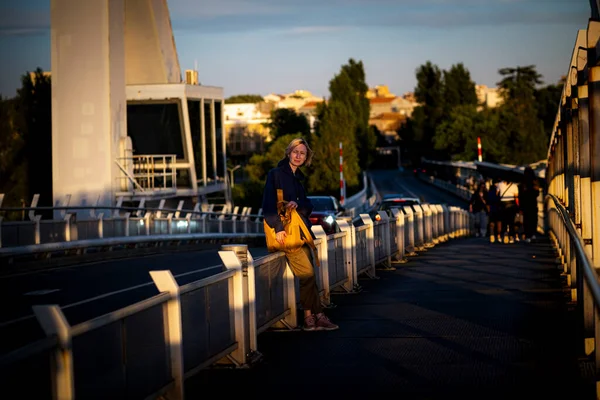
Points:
[231,170]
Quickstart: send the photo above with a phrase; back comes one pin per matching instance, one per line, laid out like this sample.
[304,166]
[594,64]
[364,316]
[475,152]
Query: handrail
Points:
[121,240]
[588,270]
[124,208]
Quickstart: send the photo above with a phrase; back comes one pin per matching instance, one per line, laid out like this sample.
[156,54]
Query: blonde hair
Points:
[295,143]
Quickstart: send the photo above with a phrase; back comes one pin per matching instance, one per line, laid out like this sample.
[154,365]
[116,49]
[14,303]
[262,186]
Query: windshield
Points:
[322,204]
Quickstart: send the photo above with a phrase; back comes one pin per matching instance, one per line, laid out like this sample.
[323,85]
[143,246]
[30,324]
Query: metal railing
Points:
[573,178]
[149,348]
[105,225]
[148,173]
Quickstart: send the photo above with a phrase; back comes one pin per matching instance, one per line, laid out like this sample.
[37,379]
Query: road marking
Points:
[404,189]
[41,292]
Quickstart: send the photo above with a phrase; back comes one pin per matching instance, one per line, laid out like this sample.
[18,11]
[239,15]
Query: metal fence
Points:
[147,349]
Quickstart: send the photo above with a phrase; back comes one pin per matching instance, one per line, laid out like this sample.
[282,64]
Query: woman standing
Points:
[288,177]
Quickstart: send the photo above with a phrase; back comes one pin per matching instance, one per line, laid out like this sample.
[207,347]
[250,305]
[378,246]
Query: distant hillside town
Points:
[246,123]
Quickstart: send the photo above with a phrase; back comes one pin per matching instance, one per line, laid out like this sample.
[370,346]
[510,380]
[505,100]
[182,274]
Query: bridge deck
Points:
[467,318]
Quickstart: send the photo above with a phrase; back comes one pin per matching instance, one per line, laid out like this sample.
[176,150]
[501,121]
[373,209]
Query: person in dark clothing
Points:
[528,194]
[493,200]
[288,177]
[479,207]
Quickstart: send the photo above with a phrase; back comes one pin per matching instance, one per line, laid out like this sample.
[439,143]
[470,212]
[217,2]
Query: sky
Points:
[278,46]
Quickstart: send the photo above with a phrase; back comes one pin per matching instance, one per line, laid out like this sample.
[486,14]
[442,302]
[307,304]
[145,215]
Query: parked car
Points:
[326,209]
[390,201]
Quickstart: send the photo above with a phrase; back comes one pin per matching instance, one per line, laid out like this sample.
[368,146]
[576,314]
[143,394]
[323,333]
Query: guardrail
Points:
[122,222]
[581,279]
[35,234]
[147,349]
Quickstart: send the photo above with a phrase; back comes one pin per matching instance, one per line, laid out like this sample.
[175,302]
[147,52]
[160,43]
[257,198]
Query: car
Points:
[390,201]
[325,211]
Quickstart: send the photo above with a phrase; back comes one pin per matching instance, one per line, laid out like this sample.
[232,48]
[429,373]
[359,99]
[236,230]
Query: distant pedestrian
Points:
[495,222]
[528,194]
[509,195]
[479,207]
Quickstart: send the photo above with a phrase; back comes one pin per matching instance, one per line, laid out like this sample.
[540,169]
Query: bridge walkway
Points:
[466,318]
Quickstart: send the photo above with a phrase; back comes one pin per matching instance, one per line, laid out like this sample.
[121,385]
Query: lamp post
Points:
[231,171]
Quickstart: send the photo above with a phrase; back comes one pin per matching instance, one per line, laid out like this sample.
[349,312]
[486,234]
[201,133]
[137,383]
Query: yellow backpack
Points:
[295,228]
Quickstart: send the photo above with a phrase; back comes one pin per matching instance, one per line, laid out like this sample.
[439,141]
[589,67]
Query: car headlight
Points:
[329,219]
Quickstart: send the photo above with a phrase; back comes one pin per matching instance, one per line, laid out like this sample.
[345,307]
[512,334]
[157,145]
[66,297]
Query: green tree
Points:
[457,134]
[429,93]
[285,121]
[13,165]
[458,88]
[34,122]
[324,176]
[519,122]
[244,98]
[350,88]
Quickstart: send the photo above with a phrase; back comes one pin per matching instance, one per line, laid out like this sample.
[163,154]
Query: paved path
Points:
[466,318]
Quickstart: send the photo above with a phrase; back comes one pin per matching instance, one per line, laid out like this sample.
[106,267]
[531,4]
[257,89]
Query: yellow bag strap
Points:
[308,237]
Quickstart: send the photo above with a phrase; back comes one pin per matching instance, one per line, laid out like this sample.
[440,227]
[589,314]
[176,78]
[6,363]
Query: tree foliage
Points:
[511,133]
[350,88]
[324,176]
[285,121]
[244,98]
[429,94]
[458,89]
[26,142]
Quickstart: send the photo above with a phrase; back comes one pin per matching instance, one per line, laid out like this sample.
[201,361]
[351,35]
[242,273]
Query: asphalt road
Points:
[89,290]
[392,182]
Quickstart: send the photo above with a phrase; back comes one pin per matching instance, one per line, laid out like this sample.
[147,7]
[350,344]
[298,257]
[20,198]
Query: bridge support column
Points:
[88,98]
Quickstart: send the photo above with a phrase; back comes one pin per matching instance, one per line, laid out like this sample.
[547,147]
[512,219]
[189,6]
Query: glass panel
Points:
[210,168]
[219,139]
[196,132]
[155,128]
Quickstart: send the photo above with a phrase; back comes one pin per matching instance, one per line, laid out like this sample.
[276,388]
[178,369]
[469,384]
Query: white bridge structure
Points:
[124,122]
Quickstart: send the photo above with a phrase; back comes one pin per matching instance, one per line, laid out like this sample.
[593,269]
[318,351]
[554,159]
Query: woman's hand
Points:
[292,205]
[280,236]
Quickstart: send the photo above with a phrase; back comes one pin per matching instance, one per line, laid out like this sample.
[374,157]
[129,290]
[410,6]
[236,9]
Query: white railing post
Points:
[147,223]
[411,231]
[252,316]
[236,299]
[324,261]
[289,297]
[427,225]
[54,323]
[127,215]
[440,223]
[434,223]
[446,223]
[399,216]
[387,237]
[349,254]
[452,222]
[165,282]
[419,223]
[249,293]
[35,219]
[34,202]
[366,219]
